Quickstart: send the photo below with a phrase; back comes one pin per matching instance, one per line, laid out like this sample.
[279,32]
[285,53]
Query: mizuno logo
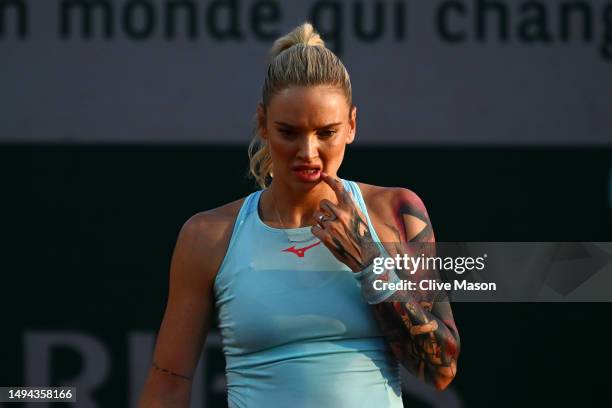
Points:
[300,251]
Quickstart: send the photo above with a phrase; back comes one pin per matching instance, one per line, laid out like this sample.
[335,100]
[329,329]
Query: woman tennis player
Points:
[289,267]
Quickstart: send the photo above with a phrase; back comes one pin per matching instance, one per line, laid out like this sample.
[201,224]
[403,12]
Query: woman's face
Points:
[307,129]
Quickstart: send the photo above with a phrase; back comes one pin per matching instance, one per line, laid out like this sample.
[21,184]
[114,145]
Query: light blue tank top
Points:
[296,330]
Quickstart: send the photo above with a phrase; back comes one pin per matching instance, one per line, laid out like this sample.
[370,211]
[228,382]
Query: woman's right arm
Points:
[195,260]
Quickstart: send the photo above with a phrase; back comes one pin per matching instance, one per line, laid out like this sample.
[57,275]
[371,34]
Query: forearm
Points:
[426,344]
[162,391]
[420,330]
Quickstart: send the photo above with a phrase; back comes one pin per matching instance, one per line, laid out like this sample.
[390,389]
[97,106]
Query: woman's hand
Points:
[343,228]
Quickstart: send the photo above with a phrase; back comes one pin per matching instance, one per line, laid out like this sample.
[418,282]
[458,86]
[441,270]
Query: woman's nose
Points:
[308,149]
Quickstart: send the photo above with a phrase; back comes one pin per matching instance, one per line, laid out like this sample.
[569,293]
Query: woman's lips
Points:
[307,175]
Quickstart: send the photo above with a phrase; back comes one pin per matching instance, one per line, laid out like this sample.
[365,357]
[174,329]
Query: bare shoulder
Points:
[397,213]
[206,234]
[389,199]
[214,223]
[199,250]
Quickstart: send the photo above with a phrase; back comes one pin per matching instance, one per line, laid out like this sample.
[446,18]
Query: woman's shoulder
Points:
[210,231]
[388,198]
[396,212]
[202,243]
[214,223]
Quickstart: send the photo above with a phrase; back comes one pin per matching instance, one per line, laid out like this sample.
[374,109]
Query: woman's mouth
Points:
[307,174]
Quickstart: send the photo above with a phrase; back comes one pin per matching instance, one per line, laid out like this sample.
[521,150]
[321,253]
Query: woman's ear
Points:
[352,124]
[261,121]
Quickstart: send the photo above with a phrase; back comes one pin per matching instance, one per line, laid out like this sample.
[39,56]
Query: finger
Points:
[351,198]
[320,217]
[320,233]
[335,185]
[326,210]
[424,328]
[331,208]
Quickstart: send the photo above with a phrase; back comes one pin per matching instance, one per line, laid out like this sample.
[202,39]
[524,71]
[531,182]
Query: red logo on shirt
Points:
[300,251]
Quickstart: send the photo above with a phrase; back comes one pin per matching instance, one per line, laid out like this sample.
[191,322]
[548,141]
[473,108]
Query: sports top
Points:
[296,331]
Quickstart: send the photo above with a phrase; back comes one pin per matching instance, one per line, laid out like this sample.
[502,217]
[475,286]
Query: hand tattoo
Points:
[346,233]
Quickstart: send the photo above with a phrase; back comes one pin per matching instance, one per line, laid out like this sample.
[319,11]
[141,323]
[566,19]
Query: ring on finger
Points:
[321,218]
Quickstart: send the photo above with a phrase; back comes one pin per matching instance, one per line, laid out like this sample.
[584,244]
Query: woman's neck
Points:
[295,208]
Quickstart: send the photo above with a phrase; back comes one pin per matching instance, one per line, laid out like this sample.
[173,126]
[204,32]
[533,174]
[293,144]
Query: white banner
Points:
[478,72]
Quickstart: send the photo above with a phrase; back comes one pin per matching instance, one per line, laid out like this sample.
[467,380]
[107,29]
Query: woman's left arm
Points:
[419,327]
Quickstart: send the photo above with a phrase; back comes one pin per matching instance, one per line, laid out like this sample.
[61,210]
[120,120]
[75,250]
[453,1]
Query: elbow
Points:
[445,376]
[157,400]
[442,383]
[160,392]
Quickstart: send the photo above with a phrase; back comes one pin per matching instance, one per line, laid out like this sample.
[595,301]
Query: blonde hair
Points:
[299,58]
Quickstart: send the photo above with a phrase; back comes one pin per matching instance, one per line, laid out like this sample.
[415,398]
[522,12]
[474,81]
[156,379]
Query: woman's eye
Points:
[285,132]
[327,133]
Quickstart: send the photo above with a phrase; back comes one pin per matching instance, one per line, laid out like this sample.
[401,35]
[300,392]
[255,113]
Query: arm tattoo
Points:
[343,252]
[163,370]
[363,238]
[360,248]
[420,329]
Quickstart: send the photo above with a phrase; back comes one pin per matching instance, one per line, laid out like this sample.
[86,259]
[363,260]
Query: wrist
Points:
[375,281]
[368,263]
